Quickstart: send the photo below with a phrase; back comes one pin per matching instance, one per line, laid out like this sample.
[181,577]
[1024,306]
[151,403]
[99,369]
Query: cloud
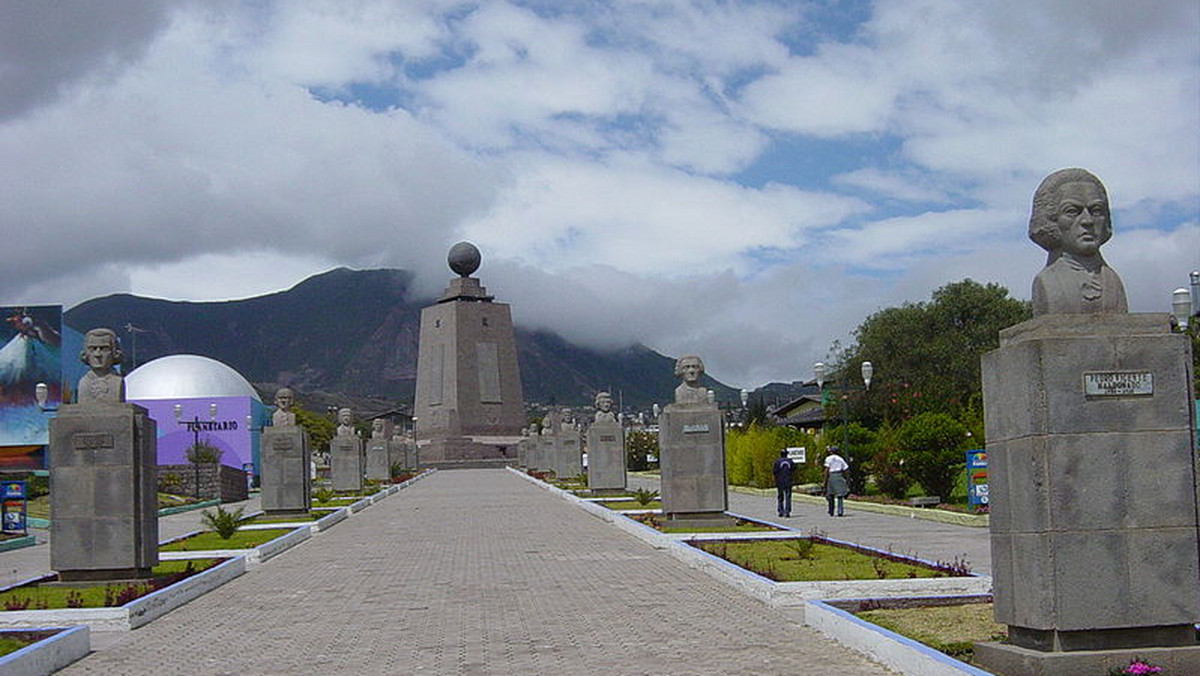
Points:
[742,180]
[47,47]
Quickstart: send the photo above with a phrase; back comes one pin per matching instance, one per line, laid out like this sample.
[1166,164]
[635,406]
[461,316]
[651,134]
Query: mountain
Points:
[354,333]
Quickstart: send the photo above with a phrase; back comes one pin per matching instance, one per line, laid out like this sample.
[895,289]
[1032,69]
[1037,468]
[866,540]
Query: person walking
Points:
[836,488]
[782,469]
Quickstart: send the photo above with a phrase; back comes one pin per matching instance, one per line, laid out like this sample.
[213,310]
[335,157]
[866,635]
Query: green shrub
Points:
[644,496]
[203,452]
[223,523]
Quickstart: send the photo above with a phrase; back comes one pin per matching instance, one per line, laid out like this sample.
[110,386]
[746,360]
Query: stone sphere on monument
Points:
[464,259]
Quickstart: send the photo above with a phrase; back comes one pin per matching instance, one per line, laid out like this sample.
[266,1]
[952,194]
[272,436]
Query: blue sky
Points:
[741,180]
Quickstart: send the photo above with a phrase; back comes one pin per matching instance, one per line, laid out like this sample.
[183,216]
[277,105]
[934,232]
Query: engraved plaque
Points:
[90,442]
[695,429]
[1118,383]
[607,437]
[489,372]
[282,443]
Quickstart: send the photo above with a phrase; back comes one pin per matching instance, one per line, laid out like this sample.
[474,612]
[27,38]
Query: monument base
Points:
[286,471]
[346,463]
[304,513]
[698,520]
[465,453]
[692,459]
[1010,660]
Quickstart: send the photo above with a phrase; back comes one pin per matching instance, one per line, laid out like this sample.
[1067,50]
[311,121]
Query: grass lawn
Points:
[632,504]
[100,595]
[797,560]
[208,540]
[13,641]
[285,519]
[948,629]
[741,526]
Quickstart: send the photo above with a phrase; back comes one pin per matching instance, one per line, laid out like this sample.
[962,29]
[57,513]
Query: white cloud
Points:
[592,150]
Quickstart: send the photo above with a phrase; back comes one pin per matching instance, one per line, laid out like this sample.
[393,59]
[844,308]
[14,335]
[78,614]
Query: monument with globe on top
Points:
[469,406]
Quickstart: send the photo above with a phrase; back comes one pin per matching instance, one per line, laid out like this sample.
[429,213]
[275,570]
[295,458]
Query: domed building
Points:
[198,400]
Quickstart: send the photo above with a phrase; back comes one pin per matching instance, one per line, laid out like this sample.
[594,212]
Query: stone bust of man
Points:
[604,405]
[101,384]
[345,426]
[690,369]
[379,428]
[283,415]
[1071,221]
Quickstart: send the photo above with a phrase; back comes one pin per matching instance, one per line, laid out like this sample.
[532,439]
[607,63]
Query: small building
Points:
[198,400]
[804,413]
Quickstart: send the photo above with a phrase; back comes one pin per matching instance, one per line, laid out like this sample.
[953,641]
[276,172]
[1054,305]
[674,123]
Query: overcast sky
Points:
[745,181]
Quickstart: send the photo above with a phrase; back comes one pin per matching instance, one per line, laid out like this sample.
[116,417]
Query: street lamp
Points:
[867,371]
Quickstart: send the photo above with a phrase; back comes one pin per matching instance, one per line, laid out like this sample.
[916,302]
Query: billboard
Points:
[31,349]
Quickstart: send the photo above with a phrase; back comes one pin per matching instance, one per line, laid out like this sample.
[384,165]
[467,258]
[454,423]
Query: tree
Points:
[926,355]
[931,451]
[756,412]
[639,445]
[857,446]
[320,429]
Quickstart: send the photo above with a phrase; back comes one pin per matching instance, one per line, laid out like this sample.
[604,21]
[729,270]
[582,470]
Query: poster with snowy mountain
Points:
[30,353]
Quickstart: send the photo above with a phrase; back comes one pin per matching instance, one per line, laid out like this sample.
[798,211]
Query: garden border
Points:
[133,614]
[255,555]
[883,645]
[48,655]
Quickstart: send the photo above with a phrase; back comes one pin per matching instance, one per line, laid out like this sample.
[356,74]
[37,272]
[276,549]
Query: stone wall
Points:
[216,481]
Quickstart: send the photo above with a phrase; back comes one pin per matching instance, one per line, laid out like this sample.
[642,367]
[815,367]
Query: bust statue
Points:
[1071,221]
[604,404]
[101,384]
[378,430]
[345,426]
[283,416]
[690,368]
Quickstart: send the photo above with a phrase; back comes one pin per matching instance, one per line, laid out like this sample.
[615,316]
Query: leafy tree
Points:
[639,445]
[931,451]
[857,446]
[926,355]
[756,413]
[320,429]
[886,469]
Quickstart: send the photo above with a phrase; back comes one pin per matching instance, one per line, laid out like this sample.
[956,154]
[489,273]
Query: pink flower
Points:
[1138,668]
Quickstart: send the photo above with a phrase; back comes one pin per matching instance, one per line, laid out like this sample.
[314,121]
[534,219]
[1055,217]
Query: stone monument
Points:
[346,455]
[567,460]
[606,449]
[469,409]
[1092,464]
[379,460]
[286,461]
[548,442]
[401,449]
[103,475]
[691,439]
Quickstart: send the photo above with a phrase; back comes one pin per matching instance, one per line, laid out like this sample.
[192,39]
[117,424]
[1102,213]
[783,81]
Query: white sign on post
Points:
[796,453]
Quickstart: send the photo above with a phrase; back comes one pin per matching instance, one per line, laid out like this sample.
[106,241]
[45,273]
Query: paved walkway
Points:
[472,572]
[908,536]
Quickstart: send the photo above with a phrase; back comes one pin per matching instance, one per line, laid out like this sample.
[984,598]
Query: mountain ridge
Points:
[355,332]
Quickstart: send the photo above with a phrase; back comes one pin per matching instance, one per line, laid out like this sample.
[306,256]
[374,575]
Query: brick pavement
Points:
[472,572]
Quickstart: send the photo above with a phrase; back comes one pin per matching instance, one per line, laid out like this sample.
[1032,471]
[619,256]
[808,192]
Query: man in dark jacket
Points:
[782,469]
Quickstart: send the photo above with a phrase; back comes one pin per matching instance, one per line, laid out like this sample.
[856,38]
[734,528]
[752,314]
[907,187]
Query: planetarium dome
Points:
[186,376]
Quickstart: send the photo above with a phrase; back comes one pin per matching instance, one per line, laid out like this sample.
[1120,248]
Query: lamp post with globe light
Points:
[867,371]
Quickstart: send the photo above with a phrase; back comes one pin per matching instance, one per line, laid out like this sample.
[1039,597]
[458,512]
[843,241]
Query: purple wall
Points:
[228,431]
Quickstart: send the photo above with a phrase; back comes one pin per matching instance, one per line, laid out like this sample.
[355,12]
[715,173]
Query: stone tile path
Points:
[472,572]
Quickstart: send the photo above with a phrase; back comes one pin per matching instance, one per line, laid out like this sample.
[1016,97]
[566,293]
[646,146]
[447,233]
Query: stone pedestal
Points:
[567,460]
[469,407]
[379,460]
[103,476]
[286,470]
[1092,478]
[346,463]
[606,456]
[691,442]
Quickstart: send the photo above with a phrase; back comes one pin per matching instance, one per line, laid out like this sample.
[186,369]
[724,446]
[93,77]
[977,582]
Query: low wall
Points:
[217,482]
